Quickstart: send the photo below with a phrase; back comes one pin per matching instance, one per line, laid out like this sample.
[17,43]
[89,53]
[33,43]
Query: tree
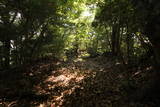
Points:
[21,23]
[150,23]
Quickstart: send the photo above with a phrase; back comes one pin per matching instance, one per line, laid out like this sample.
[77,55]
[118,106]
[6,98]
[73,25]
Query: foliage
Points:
[73,51]
[24,29]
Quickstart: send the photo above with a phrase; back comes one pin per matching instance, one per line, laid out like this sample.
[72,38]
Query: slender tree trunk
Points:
[117,39]
[7,54]
[127,41]
[157,57]
[109,39]
[113,40]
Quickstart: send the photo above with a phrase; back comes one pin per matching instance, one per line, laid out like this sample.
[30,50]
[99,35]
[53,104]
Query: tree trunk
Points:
[157,57]
[113,38]
[117,40]
[7,54]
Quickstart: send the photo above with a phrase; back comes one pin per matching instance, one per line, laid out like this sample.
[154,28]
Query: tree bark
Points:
[7,54]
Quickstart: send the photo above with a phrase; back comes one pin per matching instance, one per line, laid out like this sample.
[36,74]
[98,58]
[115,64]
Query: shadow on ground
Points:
[90,82]
[18,87]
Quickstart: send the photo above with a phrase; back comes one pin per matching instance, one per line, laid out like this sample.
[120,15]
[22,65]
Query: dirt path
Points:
[84,83]
[91,82]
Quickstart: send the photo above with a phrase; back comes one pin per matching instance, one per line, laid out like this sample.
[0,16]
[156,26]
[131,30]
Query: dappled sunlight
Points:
[86,13]
[68,83]
[78,60]
[60,83]
[64,80]
[69,77]
[79,53]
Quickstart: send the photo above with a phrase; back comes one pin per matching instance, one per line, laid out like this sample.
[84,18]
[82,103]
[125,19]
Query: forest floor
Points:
[81,82]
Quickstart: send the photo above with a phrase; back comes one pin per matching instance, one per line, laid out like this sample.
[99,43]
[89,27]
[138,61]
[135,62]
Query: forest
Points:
[79,53]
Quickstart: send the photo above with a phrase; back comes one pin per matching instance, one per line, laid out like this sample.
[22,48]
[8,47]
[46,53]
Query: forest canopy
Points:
[32,29]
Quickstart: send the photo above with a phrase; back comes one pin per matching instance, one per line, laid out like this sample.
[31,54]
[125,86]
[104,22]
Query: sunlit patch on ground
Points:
[66,79]
[60,83]
[80,82]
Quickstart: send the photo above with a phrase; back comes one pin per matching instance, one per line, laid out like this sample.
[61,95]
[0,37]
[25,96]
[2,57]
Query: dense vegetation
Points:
[37,35]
